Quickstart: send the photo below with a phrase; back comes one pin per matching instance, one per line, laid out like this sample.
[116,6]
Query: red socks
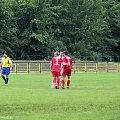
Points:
[68,83]
[54,81]
[63,83]
[58,82]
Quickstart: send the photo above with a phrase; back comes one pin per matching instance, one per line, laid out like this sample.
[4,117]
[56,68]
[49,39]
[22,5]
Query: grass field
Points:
[92,96]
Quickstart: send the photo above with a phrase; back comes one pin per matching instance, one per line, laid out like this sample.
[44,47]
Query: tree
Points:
[7,29]
[38,28]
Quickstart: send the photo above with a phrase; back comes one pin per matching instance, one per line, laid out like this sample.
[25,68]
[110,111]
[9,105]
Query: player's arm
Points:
[71,63]
[11,67]
[64,62]
[51,64]
[61,65]
[10,62]
[1,66]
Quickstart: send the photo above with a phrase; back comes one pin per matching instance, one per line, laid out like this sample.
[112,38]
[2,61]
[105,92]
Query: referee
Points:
[5,67]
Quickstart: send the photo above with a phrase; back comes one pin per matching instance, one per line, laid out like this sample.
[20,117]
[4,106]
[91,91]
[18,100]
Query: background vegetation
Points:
[37,28]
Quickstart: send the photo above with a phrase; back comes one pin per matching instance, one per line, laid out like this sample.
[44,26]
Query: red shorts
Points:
[66,72]
[55,74]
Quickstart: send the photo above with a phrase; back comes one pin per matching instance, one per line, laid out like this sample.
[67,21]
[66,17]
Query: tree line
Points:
[35,29]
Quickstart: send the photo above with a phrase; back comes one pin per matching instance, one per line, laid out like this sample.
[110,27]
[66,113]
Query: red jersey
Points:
[68,62]
[56,64]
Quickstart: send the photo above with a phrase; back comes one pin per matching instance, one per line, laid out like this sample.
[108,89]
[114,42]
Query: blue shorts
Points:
[5,71]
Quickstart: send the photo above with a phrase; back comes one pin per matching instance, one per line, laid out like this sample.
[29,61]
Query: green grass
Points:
[92,96]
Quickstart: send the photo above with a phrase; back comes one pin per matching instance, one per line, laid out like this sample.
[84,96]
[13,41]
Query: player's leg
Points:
[7,74]
[54,78]
[6,80]
[61,78]
[58,79]
[63,82]
[68,81]
[52,85]
[57,83]
[3,73]
[3,77]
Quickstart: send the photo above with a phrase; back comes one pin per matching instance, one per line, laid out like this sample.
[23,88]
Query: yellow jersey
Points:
[6,62]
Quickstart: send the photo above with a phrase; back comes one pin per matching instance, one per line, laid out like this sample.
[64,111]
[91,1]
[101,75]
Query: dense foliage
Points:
[34,29]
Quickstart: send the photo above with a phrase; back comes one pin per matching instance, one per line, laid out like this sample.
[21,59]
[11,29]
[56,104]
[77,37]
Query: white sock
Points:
[52,86]
[61,81]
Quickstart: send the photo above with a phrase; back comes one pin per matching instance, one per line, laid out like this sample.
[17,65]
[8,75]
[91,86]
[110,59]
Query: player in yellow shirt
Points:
[6,67]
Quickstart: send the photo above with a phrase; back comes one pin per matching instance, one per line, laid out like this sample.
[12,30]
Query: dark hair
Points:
[6,53]
[65,52]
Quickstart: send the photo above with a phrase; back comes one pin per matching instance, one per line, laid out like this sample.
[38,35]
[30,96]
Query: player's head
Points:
[5,54]
[61,54]
[65,52]
[56,54]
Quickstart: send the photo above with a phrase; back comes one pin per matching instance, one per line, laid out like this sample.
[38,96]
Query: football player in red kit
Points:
[61,54]
[66,69]
[56,62]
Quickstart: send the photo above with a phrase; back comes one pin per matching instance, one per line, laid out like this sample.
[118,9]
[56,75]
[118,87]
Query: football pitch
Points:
[92,96]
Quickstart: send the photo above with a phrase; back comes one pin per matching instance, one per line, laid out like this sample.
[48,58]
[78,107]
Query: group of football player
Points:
[61,66]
